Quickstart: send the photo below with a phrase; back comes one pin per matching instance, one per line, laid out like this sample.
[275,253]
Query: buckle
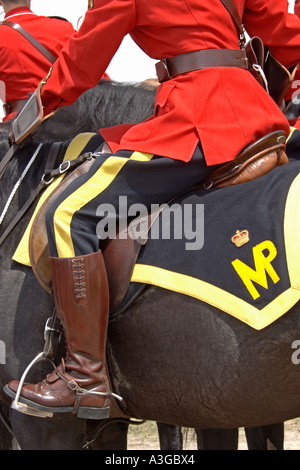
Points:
[74,386]
[64,166]
[162,71]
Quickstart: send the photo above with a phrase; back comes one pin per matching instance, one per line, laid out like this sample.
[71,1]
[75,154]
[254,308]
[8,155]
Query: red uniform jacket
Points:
[22,65]
[224,108]
[295,88]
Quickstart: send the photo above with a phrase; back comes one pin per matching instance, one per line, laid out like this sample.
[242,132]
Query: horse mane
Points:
[108,104]
[4,139]
[113,103]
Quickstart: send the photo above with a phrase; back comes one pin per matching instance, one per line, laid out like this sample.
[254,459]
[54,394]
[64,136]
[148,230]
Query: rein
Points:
[42,185]
[7,158]
[47,178]
[18,183]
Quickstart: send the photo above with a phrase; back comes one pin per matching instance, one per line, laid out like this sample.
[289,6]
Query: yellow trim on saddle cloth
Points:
[95,185]
[292,130]
[74,149]
[227,302]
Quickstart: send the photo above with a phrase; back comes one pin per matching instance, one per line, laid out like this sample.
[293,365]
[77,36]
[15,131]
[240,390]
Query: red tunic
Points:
[223,107]
[22,65]
[295,88]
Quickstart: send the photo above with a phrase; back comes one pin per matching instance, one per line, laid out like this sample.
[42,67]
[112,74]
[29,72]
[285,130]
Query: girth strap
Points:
[197,60]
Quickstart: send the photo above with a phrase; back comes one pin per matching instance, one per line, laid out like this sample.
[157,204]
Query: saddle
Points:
[256,160]
[122,251]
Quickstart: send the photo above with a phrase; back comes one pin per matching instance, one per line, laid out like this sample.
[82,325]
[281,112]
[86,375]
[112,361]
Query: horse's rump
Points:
[235,248]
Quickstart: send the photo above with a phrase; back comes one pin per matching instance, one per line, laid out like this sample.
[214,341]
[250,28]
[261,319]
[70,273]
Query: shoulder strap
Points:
[231,8]
[31,39]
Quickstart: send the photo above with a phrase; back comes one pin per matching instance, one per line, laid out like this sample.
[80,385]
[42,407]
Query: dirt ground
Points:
[145,437]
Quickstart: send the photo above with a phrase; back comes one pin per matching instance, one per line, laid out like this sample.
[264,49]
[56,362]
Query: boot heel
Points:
[87,412]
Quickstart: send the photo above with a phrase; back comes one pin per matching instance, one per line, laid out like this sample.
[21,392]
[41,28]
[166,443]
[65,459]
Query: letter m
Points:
[262,265]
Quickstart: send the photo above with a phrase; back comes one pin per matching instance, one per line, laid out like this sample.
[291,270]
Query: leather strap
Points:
[31,39]
[254,161]
[198,60]
[7,158]
[42,185]
[231,8]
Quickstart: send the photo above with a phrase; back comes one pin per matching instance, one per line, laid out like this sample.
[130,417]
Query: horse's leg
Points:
[6,436]
[217,439]
[270,437]
[62,432]
[112,436]
[170,437]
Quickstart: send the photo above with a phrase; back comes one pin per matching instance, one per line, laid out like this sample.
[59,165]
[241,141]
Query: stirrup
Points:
[22,407]
[51,329]
[47,354]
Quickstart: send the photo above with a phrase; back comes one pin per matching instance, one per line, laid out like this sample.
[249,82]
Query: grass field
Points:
[145,437]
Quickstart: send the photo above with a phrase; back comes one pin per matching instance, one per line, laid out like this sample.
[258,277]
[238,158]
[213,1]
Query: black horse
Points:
[29,307]
[109,103]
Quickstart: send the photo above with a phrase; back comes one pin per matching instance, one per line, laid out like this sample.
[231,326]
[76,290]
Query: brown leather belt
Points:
[198,60]
[14,106]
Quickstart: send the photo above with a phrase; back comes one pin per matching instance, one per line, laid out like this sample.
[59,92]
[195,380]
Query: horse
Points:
[18,355]
[105,99]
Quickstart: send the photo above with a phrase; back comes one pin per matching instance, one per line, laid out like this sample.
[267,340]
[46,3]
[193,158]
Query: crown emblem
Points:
[240,238]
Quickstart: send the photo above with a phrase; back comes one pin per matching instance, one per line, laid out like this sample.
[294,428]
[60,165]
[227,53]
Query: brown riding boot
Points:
[79,384]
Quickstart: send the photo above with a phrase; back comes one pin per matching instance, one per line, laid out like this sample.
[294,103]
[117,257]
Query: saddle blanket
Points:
[241,251]
[236,248]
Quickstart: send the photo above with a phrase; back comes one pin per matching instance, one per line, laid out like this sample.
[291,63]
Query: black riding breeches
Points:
[94,205]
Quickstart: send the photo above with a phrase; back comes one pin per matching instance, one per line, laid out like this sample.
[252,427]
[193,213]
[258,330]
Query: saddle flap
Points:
[38,241]
[121,251]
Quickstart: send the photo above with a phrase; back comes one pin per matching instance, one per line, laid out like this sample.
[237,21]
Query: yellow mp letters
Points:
[262,264]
